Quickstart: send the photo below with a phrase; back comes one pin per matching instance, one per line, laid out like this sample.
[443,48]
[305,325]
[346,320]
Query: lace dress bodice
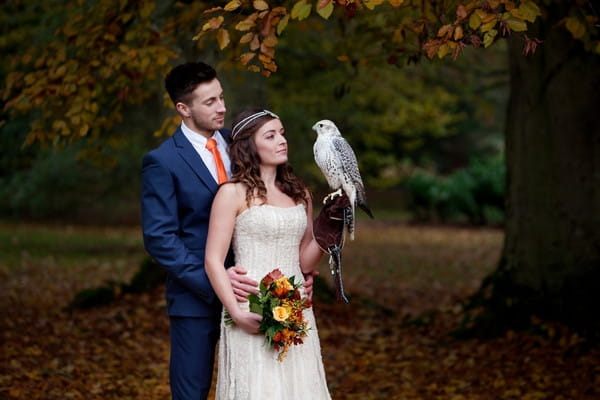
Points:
[267,237]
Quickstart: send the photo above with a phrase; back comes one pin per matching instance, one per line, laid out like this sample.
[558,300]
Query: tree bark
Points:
[550,266]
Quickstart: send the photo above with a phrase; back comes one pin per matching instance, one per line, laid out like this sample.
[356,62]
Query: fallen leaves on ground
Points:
[392,341]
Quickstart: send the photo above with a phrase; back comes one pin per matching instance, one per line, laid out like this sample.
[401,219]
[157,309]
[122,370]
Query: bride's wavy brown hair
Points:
[245,164]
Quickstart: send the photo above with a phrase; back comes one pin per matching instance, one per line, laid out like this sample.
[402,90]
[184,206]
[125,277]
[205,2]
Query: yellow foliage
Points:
[458,33]
[301,10]
[488,37]
[443,50]
[260,5]
[326,10]
[371,4]
[516,24]
[489,25]
[576,27]
[444,30]
[530,10]
[281,25]
[223,38]
[232,5]
[245,25]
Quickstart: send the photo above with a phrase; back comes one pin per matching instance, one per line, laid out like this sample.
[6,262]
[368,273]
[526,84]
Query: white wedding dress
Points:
[268,237]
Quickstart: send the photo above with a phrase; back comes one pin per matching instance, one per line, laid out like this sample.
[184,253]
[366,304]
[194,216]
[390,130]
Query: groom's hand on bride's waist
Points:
[243,286]
[308,283]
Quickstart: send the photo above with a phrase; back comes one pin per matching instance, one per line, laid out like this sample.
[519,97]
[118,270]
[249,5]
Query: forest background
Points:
[83,100]
[411,127]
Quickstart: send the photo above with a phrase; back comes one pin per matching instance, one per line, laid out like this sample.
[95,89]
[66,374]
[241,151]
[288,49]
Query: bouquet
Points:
[280,305]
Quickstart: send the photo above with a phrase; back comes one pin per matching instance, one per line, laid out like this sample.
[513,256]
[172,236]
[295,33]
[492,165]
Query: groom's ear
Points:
[183,109]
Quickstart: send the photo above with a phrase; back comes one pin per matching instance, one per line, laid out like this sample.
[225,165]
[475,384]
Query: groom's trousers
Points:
[193,343]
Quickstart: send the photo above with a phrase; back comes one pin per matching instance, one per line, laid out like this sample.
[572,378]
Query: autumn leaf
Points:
[371,4]
[488,37]
[213,23]
[212,10]
[270,41]
[474,21]
[443,50]
[260,5]
[232,5]
[445,30]
[325,8]
[246,57]
[458,33]
[322,3]
[461,12]
[301,10]
[223,38]
[245,25]
[489,26]
[576,27]
[515,24]
[255,43]
[267,50]
[529,10]
[281,25]
[247,38]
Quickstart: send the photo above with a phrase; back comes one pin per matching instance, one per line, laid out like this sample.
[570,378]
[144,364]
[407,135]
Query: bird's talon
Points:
[332,195]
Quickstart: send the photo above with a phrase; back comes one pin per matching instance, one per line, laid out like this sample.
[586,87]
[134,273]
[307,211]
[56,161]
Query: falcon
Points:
[337,162]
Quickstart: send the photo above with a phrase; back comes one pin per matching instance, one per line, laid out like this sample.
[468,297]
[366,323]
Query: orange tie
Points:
[211,145]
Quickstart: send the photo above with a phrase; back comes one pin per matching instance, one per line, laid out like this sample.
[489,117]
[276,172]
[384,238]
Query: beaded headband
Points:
[242,124]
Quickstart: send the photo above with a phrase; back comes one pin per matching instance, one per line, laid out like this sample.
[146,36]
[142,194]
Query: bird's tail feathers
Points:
[366,209]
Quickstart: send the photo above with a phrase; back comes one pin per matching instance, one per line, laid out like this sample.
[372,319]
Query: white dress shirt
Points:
[199,143]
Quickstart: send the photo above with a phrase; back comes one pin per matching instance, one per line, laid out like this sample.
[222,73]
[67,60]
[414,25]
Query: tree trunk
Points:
[550,266]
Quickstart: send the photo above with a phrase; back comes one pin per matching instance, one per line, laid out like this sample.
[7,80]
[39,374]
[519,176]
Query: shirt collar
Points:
[198,139]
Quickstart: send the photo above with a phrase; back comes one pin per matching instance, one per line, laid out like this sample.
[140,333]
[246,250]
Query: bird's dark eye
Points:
[320,125]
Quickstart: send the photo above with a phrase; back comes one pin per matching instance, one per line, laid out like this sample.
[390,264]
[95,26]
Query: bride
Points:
[265,213]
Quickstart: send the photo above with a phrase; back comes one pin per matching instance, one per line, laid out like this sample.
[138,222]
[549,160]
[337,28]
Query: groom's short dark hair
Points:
[183,79]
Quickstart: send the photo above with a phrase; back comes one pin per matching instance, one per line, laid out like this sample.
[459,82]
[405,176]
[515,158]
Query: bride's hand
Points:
[248,321]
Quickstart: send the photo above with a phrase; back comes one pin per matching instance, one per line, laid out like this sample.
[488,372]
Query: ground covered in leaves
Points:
[393,341]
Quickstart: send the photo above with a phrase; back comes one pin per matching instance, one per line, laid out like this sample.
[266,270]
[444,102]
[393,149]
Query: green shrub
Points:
[474,194]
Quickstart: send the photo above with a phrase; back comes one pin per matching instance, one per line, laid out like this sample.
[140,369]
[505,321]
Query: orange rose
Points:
[272,276]
[278,337]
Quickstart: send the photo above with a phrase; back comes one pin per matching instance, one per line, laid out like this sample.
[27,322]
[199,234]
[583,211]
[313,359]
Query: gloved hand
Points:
[329,228]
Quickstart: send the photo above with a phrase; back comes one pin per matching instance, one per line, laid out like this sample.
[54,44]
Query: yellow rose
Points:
[281,313]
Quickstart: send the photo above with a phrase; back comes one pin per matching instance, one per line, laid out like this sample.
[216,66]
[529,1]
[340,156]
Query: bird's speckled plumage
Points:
[337,161]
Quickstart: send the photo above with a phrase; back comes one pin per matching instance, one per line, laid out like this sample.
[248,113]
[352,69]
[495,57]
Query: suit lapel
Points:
[193,159]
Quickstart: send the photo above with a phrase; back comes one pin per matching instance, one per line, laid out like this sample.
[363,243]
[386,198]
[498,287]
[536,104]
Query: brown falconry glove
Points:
[329,231]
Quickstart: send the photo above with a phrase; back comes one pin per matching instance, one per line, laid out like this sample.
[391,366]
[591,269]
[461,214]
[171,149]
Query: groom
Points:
[179,181]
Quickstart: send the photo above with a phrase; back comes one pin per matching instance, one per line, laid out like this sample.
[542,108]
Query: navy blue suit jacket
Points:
[177,195]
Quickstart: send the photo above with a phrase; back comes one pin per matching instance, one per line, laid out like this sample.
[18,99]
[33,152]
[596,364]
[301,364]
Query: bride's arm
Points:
[310,252]
[225,208]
